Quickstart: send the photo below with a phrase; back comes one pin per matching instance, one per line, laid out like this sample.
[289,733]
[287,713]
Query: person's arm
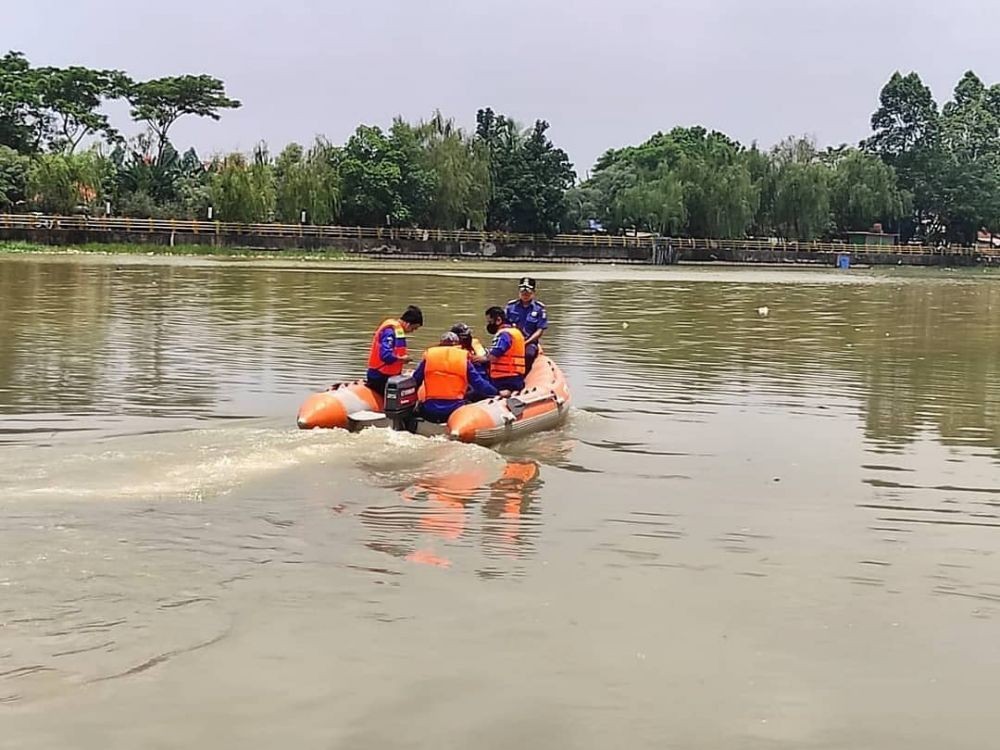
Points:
[543,323]
[418,374]
[387,346]
[504,342]
[480,385]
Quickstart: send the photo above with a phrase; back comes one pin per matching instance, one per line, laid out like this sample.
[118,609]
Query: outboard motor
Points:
[401,402]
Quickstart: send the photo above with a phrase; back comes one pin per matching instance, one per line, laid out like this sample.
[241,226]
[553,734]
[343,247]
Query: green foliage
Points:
[13,177]
[461,182]
[162,101]
[864,191]
[242,189]
[529,176]
[73,97]
[307,181]
[66,183]
[371,179]
[22,118]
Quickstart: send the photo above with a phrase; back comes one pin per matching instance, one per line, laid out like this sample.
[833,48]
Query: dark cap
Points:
[462,330]
[526,282]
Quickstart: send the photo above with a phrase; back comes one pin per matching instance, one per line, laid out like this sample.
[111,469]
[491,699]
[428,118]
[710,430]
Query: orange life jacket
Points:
[478,350]
[446,373]
[511,362]
[375,359]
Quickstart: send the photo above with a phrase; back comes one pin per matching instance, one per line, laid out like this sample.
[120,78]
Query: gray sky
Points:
[602,74]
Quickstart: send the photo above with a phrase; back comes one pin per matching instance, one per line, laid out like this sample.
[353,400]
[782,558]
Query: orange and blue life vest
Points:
[512,362]
[375,361]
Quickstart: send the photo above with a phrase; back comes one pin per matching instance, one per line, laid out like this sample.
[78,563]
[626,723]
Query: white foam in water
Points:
[198,464]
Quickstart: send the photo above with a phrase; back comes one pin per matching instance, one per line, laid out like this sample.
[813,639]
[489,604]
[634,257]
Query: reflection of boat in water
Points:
[541,405]
[441,508]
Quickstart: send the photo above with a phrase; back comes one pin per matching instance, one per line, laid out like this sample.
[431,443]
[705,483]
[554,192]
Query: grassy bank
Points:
[208,251]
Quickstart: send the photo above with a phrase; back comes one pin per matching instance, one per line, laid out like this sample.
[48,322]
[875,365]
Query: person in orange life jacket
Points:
[506,355]
[446,372]
[388,350]
[528,315]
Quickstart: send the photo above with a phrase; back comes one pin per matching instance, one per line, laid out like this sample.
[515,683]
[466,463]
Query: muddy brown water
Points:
[755,531]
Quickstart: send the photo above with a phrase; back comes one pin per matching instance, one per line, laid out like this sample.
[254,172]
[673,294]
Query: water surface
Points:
[756,530]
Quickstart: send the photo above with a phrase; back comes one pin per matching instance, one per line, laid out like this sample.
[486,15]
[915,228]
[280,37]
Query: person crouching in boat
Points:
[388,350]
[477,352]
[446,373]
[506,356]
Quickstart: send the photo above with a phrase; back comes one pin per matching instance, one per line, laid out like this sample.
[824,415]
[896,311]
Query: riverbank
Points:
[190,251]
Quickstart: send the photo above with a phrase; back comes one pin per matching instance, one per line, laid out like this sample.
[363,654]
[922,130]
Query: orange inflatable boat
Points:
[541,405]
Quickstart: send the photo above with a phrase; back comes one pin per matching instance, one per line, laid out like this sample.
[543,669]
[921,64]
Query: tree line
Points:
[930,173]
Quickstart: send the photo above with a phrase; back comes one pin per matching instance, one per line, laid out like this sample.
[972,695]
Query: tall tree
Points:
[14,169]
[370,179]
[162,101]
[307,181]
[243,189]
[863,191]
[22,118]
[801,208]
[73,97]
[462,179]
[907,136]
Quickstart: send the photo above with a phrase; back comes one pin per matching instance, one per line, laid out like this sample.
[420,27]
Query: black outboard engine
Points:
[401,402]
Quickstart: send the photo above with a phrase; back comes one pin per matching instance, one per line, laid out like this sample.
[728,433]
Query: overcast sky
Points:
[603,74]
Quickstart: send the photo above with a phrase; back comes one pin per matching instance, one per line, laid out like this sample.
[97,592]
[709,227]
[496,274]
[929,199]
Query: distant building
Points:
[874,237]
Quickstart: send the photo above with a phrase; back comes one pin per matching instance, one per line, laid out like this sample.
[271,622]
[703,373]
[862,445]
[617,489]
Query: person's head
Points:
[495,318]
[449,339]
[412,319]
[526,289]
[464,334]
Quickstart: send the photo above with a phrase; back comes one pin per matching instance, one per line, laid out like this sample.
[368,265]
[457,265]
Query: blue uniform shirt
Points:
[529,318]
[386,352]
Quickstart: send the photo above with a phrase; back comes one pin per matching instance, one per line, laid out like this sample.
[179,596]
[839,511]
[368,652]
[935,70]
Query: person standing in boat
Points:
[506,356]
[447,375]
[388,350]
[529,316]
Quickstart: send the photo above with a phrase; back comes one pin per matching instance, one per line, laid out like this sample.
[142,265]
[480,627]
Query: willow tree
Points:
[66,183]
[462,178]
[242,189]
[307,181]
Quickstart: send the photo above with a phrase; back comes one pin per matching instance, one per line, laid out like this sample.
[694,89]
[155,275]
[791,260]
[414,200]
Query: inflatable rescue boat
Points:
[541,405]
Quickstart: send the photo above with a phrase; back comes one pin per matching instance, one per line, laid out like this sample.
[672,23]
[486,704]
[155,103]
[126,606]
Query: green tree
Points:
[307,181]
[371,179]
[66,183]
[162,101]
[242,189]
[22,118]
[863,191]
[417,183]
[907,136]
[969,190]
[13,177]
[529,176]
[801,191]
[461,175]
[73,97]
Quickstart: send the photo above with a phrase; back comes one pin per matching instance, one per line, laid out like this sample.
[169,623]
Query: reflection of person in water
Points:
[447,499]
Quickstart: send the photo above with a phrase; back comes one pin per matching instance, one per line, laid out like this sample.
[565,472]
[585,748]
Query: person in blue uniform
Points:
[528,315]
[506,358]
